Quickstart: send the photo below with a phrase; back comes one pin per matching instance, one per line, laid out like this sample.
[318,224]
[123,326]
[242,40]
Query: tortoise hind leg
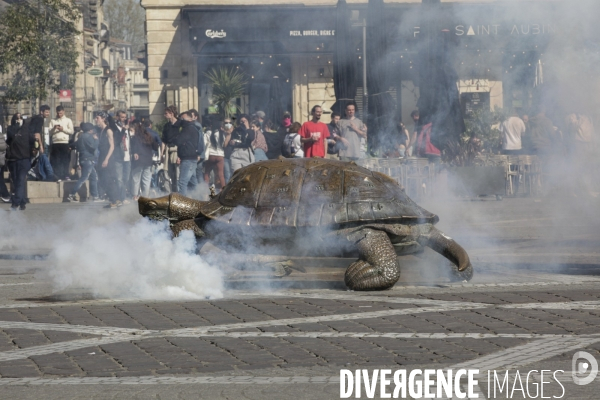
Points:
[376,268]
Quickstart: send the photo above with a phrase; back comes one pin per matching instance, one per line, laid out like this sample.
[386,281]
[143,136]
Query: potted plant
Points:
[228,84]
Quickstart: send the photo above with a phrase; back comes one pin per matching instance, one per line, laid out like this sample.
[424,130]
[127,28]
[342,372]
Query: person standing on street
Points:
[61,131]
[201,146]
[187,154]
[259,144]
[107,172]
[121,154]
[241,143]
[87,145]
[314,134]
[215,162]
[143,145]
[335,141]
[512,130]
[170,133]
[354,131]
[413,136]
[21,141]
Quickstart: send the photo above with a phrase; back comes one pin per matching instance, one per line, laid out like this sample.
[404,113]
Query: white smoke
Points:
[104,254]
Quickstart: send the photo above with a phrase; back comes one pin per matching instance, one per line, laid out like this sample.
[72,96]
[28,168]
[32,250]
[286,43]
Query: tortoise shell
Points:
[312,192]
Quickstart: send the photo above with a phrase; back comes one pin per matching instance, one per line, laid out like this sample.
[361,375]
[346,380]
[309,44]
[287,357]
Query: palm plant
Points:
[228,84]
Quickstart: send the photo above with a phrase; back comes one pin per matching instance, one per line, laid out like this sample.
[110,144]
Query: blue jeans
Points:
[187,176]
[260,155]
[119,189]
[88,171]
[227,169]
[126,179]
[141,175]
[18,173]
[200,171]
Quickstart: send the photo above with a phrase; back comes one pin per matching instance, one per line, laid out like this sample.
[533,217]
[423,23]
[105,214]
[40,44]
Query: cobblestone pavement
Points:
[292,343]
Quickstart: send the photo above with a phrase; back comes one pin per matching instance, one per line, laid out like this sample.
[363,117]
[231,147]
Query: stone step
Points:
[50,192]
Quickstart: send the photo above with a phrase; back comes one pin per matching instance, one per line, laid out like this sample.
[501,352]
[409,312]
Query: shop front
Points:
[286,53]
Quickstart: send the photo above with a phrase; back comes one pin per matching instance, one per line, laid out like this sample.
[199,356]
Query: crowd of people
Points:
[114,155]
[224,146]
[117,155]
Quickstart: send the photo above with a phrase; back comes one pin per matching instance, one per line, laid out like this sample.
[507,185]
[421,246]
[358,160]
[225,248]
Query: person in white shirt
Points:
[512,129]
[61,131]
[216,140]
[292,141]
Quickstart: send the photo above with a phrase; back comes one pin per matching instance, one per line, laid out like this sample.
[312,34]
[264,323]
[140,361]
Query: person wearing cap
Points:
[86,145]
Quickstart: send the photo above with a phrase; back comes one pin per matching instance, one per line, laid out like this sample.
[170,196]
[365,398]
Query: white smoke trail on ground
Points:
[106,255]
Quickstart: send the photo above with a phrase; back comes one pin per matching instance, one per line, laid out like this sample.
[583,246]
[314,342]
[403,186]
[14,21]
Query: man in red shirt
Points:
[314,135]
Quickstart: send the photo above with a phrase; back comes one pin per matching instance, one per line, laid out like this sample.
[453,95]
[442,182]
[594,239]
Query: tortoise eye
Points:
[152,205]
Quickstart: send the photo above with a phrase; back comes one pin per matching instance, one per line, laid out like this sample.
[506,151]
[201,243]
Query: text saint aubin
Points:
[498,29]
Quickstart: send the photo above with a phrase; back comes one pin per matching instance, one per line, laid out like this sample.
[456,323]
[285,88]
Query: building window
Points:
[165,74]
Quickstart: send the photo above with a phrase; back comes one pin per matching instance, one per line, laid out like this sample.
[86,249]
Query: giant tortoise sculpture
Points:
[315,206]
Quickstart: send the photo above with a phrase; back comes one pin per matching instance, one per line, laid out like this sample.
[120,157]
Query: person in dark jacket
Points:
[170,133]
[107,174]
[19,159]
[143,145]
[241,140]
[275,139]
[187,154]
[87,145]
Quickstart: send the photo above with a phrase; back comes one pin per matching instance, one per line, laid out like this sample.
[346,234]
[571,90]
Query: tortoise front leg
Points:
[376,268]
[187,225]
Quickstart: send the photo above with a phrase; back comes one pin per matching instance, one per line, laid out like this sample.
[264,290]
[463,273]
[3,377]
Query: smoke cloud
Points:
[116,255]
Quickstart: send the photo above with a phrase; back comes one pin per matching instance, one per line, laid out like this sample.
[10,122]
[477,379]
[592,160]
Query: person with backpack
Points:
[292,145]
[21,141]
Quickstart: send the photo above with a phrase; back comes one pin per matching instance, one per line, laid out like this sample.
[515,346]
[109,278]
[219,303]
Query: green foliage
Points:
[38,42]
[228,84]
[482,136]
[126,19]
[158,127]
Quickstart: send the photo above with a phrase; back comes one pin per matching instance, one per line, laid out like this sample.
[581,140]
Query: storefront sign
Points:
[216,34]
[326,32]
[497,30]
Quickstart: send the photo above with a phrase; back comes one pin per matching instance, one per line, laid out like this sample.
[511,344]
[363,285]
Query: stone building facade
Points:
[288,44]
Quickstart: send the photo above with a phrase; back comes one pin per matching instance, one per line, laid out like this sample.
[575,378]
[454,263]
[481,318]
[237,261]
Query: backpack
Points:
[287,148]
[19,141]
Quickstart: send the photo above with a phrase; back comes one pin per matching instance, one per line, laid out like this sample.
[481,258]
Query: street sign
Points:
[64,96]
[95,71]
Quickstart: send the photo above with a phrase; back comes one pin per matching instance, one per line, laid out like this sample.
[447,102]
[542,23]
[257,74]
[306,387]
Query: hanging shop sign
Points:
[64,96]
[95,71]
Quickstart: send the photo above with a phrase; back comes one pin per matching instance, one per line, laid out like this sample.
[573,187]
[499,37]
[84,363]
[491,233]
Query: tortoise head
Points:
[156,209]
